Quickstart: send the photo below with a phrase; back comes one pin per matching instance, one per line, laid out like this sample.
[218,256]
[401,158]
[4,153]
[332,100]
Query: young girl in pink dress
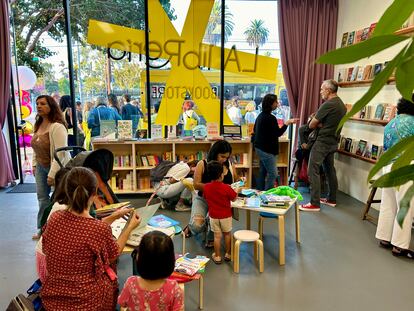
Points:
[152,290]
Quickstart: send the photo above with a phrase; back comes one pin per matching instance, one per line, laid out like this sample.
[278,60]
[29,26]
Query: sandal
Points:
[385,244]
[187,232]
[227,257]
[216,259]
[400,252]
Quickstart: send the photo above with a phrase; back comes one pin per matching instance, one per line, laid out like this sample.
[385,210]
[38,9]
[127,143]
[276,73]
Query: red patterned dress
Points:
[78,250]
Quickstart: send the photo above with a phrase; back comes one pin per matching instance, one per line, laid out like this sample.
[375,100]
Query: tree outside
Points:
[213,32]
[257,33]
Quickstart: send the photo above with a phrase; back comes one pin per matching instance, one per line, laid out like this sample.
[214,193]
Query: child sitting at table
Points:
[218,196]
[152,290]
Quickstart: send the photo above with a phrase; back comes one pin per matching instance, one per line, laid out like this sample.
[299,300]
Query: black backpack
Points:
[158,173]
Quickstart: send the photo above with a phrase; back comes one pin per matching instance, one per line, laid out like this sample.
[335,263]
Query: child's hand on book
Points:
[135,220]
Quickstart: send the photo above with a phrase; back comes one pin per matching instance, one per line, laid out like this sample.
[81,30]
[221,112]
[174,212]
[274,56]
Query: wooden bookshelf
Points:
[406,31]
[370,121]
[362,83]
[355,156]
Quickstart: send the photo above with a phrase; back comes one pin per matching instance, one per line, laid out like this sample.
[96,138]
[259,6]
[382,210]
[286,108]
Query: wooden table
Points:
[280,212]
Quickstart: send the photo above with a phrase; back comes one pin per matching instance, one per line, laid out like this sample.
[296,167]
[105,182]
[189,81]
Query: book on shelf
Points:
[358,36]
[377,69]
[107,129]
[156,131]
[250,129]
[349,74]
[362,113]
[348,107]
[362,144]
[212,130]
[379,112]
[354,73]
[342,142]
[142,134]
[171,132]
[371,29]
[365,33]
[144,160]
[366,75]
[122,161]
[354,146]
[124,129]
[344,39]
[389,112]
[374,152]
[351,38]
[348,144]
[360,74]
[368,112]
[367,153]
[342,75]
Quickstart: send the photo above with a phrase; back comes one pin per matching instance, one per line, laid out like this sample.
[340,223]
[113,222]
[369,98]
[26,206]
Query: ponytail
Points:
[80,186]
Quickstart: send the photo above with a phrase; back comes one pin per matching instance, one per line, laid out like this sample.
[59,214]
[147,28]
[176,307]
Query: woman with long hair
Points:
[49,134]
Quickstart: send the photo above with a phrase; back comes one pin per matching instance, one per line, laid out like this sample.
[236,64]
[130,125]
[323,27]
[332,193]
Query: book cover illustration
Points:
[212,130]
[360,73]
[108,129]
[358,36]
[349,74]
[374,152]
[351,38]
[142,134]
[124,129]
[354,73]
[171,131]
[377,69]
[348,144]
[367,153]
[162,221]
[379,112]
[365,33]
[367,72]
[156,131]
[371,29]
[344,39]
[361,147]
[389,112]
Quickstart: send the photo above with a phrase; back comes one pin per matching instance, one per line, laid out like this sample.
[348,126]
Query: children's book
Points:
[371,29]
[374,152]
[367,153]
[367,72]
[108,129]
[351,38]
[365,33]
[349,74]
[124,129]
[142,134]
[389,112]
[190,265]
[344,40]
[156,131]
[348,144]
[358,36]
[379,112]
[162,221]
[212,130]
[377,69]
[361,147]
[360,73]
[171,132]
[110,208]
[354,73]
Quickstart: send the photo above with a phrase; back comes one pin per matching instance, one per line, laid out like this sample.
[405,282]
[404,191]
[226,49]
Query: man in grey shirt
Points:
[322,152]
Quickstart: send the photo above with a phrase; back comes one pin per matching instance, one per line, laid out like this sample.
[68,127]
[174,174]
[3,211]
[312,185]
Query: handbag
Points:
[32,302]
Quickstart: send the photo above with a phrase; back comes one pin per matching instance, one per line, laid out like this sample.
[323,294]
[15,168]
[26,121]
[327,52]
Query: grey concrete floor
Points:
[338,265]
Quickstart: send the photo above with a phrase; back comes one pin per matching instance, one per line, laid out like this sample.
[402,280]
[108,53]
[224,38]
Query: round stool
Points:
[247,236]
[262,217]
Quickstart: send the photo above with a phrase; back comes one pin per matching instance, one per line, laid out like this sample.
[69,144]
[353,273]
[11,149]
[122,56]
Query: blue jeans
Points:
[267,170]
[42,190]
[199,209]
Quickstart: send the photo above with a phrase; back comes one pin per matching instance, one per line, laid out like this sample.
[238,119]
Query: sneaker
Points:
[180,207]
[309,208]
[327,202]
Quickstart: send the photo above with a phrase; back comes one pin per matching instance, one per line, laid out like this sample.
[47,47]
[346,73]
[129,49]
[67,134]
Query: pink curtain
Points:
[6,168]
[307,29]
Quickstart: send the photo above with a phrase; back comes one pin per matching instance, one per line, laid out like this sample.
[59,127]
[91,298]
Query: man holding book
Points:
[325,122]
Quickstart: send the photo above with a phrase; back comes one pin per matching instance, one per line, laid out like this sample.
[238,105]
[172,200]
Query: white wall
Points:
[352,173]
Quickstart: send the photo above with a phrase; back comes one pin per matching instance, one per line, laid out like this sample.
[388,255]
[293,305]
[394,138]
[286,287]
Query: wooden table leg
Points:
[281,222]
[247,219]
[297,222]
[201,292]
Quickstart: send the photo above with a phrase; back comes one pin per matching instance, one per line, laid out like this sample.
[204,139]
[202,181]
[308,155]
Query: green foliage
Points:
[213,31]
[64,87]
[257,34]
[403,64]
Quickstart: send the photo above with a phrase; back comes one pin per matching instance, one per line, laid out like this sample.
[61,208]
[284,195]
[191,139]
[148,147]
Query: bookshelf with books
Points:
[144,155]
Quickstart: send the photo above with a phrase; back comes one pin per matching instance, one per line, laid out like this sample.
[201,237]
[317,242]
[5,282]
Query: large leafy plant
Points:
[403,64]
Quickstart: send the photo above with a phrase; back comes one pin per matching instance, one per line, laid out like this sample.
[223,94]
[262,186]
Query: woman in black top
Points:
[220,151]
[266,141]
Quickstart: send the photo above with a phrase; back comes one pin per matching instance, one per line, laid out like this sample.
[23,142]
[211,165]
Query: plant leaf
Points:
[405,72]
[405,206]
[396,177]
[360,50]
[390,154]
[376,86]
[396,14]
[405,158]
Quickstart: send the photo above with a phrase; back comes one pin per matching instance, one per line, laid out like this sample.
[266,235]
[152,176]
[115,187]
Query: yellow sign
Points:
[186,54]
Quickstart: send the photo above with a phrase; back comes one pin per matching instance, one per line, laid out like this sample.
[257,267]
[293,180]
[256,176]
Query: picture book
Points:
[360,73]
[367,72]
[348,144]
[351,38]
[379,112]
[374,152]
[367,153]
[354,146]
[354,73]
[110,208]
[389,112]
[212,130]
[344,40]
[365,33]
[361,147]
[358,36]
[349,74]
[371,29]
[342,143]
[144,160]
[190,265]
[368,112]
[171,132]
[108,129]
[142,134]
[377,69]
[362,113]
[156,131]
[162,221]
[124,129]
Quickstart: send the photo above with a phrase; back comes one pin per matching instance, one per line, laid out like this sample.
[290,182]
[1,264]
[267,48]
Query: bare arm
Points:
[123,238]
[198,174]
[314,123]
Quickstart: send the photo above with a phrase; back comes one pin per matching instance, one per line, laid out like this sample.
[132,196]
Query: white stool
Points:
[247,236]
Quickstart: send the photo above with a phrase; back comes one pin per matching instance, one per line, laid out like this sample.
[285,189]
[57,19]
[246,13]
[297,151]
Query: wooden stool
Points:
[262,217]
[365,214]
[247,236]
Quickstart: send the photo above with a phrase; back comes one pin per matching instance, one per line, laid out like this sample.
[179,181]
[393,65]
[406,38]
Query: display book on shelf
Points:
[133,160]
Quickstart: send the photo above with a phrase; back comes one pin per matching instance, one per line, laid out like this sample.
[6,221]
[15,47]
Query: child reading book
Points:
[155,261]
[218,196]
